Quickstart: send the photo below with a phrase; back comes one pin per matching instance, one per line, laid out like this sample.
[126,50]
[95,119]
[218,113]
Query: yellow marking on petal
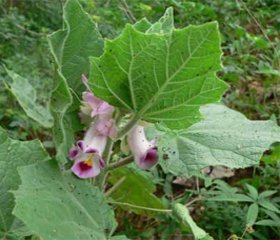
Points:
[88,162]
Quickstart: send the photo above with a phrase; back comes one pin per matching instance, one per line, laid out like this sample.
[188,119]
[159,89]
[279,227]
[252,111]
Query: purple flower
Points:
[98,109]
[105,126]
[145,152]
[94,106]
[87,154]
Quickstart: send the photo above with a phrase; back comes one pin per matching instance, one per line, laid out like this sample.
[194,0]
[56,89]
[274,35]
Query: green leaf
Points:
[252,214]
[268,222]
[253,192]
[226,197]
[71,48]
[225,192]
[135,188]
[79,40]
[26,95]
[63,133]
[183,214]
[57,205]
[225,137]
[142,25]
[165,24]
[13,154]
[161,77]
[268,205]
[266,194]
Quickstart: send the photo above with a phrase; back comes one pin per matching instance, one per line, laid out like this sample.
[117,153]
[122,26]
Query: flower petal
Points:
[106,126]
[150,159]
[81,145]
[144,151]
[83,170]
[73,153]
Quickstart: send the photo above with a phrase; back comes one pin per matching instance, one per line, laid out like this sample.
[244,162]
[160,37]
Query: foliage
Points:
[13,155]
[151,72]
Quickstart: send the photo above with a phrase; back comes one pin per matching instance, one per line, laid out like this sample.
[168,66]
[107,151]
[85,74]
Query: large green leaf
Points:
[63,132]
[225,137]
[26,95]
[71,48]
[161,77]
[12,155]
[79,40]
[141,194]
[59,206]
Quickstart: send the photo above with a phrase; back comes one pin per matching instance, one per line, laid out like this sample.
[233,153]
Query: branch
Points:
[120,163]
[141,207]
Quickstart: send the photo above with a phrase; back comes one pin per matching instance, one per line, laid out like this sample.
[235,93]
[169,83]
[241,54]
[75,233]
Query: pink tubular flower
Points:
[94,105]
[87,154]
[98,109]
[144,151]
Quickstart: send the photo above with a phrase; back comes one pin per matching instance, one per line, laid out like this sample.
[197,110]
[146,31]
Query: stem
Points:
[193,201]
[120,163]
[114,187]
[128,126]
[108,150]
[141,207]
[106,156]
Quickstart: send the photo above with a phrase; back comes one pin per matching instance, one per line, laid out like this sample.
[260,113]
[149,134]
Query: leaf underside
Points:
[225,137]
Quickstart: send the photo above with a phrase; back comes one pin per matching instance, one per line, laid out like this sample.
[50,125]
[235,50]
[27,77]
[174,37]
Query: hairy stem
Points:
[120,163]
[128,126]
[114,187]
[140,207]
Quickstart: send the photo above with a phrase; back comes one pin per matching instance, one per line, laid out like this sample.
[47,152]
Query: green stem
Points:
[140,207]
[120,163]
[106,157]
[128,126]
[114,187]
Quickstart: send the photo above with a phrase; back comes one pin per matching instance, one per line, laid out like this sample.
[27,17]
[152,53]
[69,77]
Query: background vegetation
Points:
[251,45]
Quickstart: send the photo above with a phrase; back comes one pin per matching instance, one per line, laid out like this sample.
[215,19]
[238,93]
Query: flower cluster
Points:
[87,153]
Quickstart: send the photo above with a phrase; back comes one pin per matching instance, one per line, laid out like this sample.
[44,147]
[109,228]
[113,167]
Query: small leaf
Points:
[268,205]
[266,194]
[225,137]
[26,95]
[222,197]
[57,205]
[13,154]
[268,222]
[252,214]
[253,193]
[183,214]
